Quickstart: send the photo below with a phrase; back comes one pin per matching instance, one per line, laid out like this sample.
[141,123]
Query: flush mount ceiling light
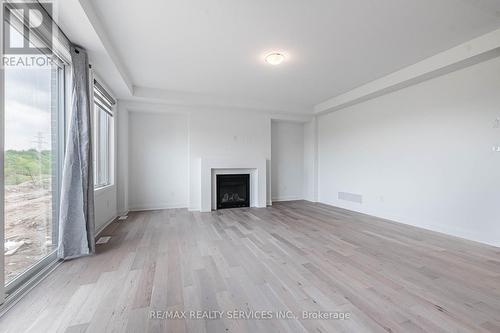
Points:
[275,58]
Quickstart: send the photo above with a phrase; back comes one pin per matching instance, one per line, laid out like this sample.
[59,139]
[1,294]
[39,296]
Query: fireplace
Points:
[233,191]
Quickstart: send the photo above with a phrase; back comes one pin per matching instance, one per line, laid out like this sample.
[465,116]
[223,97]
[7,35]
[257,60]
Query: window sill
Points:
[104,189]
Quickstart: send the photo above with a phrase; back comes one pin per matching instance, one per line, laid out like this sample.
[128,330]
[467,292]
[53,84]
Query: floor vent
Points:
[103,240]
[358,198]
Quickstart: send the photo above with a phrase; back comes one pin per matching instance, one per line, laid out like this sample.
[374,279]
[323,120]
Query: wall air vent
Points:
[103,240]
[346,196]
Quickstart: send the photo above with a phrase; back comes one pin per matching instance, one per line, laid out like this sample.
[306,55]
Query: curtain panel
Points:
[76,217]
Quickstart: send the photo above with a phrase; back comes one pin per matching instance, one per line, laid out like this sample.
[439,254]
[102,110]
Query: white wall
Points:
[287,160]
[310,187]
[422,155]
[158,160]
[225,134]
[105,206]
[122,159]
[209,133]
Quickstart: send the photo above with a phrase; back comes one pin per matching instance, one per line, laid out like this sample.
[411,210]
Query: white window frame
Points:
[95,137]
[21,284]
[24,281]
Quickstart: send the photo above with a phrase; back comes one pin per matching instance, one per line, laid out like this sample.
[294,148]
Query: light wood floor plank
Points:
[294,256]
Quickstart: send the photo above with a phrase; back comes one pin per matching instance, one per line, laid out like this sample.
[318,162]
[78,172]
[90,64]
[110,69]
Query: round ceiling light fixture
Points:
[275,58]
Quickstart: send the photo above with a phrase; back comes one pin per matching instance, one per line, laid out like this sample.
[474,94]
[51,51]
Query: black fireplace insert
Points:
[233,191]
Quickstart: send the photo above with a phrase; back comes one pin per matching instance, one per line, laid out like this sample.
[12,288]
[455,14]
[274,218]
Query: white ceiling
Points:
[215,48]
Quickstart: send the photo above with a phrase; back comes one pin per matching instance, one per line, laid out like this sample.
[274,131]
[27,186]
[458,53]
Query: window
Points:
[32,160]
[103,120]
[34,100]
[33,92]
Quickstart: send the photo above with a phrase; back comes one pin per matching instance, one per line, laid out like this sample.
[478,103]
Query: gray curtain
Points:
[76,216]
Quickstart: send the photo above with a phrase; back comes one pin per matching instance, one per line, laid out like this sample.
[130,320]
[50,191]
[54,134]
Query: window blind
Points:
[103,98]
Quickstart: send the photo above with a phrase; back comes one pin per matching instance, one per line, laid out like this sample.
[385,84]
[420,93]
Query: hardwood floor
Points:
[295,256]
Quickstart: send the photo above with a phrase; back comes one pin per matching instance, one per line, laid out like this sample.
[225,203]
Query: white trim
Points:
[102,227]
[253,183]
[140,208]
[472,52]
[112,140]
[258,197]
[214,100]
[468,235]
[159,106]
[289,198]
[98,191]
[94,20]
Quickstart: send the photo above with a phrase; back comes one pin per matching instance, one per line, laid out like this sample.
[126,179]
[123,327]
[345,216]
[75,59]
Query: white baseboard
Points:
[446,230]
[123,213]
[288,198]
[157,207]
[101,228]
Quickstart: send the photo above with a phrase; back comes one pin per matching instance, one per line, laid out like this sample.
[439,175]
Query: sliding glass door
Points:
[33,100]
[32,159]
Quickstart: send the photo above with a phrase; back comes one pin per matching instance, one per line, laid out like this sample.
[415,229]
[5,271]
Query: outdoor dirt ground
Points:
[28,226]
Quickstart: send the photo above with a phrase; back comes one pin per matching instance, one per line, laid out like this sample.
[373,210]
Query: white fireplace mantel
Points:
[210,167]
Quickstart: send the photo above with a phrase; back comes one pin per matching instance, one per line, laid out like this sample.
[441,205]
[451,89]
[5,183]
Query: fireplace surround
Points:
[211,167]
